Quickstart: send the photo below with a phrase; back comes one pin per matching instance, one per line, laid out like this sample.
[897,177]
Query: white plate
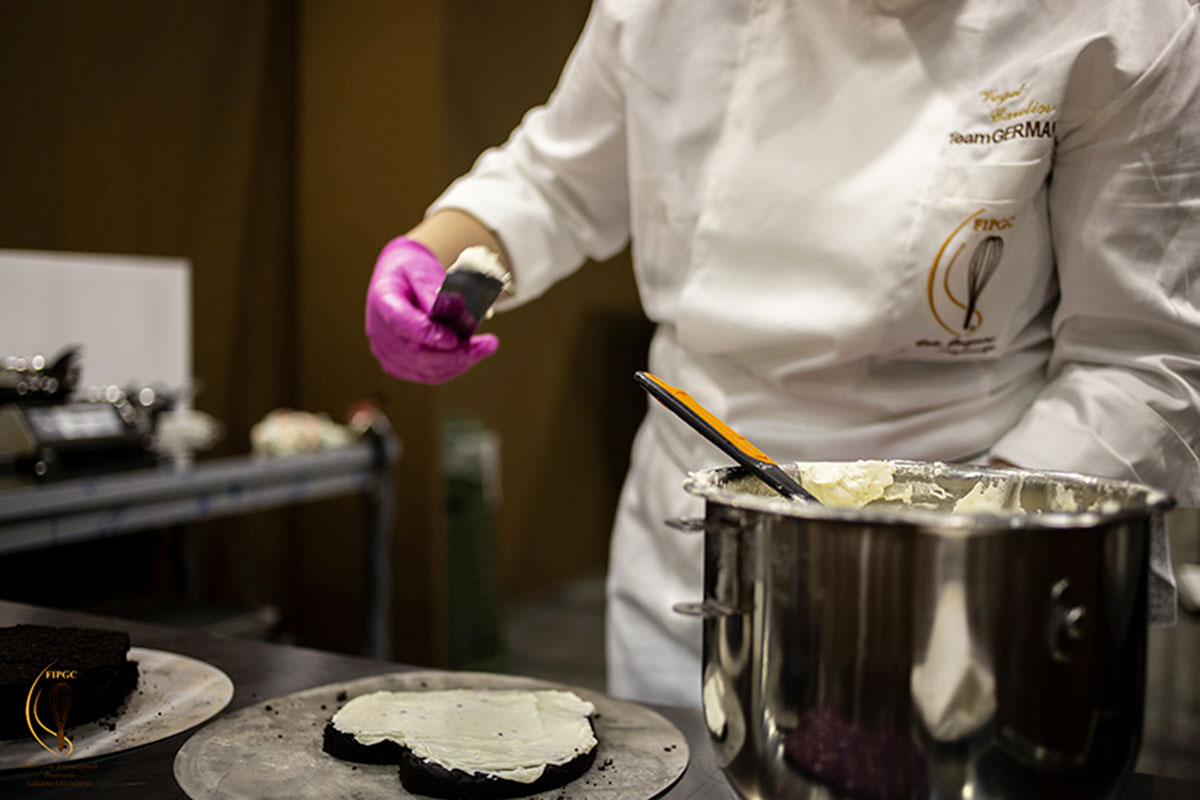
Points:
[173,693]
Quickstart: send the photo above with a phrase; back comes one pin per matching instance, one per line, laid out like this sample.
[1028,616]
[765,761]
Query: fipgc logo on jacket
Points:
[965,264]
[49,701]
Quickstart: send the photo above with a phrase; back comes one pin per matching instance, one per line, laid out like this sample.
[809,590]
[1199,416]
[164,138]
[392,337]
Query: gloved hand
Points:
[407,343]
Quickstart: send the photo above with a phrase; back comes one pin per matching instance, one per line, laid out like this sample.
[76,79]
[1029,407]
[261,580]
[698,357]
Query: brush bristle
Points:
[483,260]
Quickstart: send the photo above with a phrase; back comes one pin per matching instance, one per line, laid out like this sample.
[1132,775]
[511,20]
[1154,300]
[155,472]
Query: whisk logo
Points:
[956,283]
[52,683]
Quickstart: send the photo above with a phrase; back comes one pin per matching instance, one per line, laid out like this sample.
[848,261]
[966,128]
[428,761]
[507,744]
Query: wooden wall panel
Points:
[367,159]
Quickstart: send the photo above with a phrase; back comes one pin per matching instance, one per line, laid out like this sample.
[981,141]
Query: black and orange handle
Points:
[732,443]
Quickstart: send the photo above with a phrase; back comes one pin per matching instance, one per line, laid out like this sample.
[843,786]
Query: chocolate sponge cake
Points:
[468,743]
[92,662]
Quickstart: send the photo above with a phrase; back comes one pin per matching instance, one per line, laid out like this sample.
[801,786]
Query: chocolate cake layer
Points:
[427,778]
[469,743]
[344,746]
[93,662]
[419,776]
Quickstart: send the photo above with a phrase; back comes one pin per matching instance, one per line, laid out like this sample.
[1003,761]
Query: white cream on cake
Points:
[509,734]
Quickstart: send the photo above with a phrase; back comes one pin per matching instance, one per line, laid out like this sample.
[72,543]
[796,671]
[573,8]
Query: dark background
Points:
[278,145]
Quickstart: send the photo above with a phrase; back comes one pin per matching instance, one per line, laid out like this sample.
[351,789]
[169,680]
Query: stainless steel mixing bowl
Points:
[909,651]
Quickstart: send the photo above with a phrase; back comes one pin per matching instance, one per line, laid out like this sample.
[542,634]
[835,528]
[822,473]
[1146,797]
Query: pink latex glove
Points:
[407,343]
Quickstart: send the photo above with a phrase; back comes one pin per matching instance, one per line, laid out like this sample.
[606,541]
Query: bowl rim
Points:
[712,485]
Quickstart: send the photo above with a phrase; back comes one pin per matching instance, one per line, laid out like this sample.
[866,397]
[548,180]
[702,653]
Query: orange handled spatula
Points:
[684,406]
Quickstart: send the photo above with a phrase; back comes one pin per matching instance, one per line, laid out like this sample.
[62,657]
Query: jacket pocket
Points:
[1002,182]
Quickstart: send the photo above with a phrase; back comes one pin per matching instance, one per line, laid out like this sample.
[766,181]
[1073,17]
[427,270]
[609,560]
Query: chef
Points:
[894,229]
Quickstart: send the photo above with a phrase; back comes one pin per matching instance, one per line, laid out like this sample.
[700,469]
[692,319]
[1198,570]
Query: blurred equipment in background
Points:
[284,432]
[181,431]
[33,381]
[94,350]
[50,514]
[471,486]
[50,430]
[132,314]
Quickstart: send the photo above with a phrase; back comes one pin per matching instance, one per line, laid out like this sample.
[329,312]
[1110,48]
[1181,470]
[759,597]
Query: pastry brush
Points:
[472,284]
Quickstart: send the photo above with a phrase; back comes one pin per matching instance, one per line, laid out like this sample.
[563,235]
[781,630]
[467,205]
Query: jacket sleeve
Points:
[556,192]
[1123,398]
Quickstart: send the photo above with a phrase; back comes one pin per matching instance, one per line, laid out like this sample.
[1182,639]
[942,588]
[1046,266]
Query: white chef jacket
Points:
[903,229]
